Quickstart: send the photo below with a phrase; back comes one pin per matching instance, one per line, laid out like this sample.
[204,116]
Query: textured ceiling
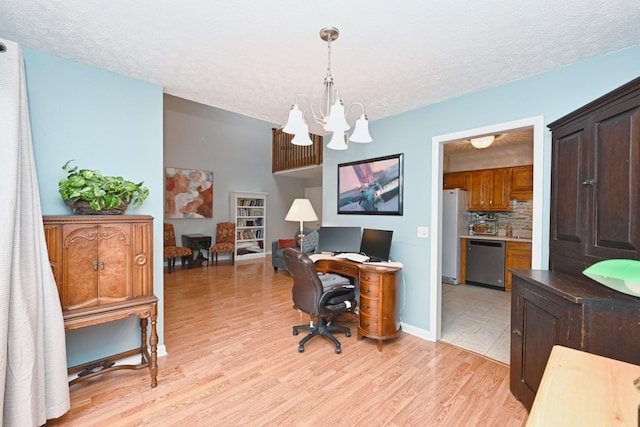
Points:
[253,57]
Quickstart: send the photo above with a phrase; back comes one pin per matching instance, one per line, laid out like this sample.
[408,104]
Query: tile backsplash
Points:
[520,219]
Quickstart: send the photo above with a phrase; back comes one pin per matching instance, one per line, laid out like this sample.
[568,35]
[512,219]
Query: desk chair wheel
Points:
[347,334]
[295,332]
[301,348]
[338,350]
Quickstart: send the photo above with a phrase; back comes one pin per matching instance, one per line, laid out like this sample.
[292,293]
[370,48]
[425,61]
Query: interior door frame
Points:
[435,293]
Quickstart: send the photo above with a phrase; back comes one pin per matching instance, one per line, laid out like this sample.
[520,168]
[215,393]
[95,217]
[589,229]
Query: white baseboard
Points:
[417,332]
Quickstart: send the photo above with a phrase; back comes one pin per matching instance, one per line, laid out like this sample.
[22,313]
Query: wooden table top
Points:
[583,389]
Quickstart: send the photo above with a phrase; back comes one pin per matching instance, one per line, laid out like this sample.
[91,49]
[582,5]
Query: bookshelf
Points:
[249,211]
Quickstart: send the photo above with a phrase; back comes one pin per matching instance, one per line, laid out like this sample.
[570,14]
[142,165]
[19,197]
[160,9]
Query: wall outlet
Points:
[423,232]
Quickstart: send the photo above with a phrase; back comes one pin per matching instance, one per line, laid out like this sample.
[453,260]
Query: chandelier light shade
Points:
[483,141]
[331,113]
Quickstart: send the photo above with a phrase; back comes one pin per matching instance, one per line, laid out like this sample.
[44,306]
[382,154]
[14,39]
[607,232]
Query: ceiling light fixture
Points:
[331,111]
[483,141]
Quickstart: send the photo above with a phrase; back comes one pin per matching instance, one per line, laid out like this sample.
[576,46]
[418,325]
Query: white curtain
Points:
[33,365]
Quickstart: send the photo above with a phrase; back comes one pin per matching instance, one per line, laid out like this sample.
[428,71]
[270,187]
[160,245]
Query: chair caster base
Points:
[301,349]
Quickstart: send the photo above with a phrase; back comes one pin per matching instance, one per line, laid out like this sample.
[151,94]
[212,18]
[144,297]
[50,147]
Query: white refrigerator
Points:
[455,222]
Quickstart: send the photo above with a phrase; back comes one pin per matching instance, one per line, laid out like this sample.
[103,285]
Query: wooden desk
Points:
[583,389]
[379,318]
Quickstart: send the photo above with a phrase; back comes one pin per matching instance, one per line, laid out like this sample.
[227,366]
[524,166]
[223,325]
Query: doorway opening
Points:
[438,142]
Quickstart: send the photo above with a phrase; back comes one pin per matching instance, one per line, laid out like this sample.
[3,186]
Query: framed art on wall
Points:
[188,193]
[371,187]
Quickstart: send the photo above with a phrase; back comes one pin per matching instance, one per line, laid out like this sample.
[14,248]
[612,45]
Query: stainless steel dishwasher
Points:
[485,263]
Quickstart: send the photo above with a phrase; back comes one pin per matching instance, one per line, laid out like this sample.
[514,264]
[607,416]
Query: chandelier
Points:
[331,114]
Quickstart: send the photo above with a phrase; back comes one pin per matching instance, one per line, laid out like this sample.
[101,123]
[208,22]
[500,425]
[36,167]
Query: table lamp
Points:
[622,275]
[301,210]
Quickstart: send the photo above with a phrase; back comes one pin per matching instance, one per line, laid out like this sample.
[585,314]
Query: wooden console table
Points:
[379,318]
[145,308]
[583,389]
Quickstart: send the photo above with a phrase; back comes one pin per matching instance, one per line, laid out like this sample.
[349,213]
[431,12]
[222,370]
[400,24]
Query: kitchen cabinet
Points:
[522,182]
[518,256]
[595,182]
[550,308]
[488,190]
[453,180]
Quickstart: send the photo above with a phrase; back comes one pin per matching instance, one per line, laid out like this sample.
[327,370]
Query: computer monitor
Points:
[339,239]
[376,244]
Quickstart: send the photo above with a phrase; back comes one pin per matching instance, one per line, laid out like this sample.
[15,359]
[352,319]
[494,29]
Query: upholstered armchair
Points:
[311,238]
[225,240]
[171,250]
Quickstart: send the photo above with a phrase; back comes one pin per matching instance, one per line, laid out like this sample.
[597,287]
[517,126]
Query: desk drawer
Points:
[345,268]
[368,306]
[370,276]
[368,325]
[369,290]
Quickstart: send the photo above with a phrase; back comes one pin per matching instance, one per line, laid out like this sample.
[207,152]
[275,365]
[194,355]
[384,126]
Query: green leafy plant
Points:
[101,192]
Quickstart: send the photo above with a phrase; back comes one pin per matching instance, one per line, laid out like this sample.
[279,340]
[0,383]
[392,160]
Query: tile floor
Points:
[477,319]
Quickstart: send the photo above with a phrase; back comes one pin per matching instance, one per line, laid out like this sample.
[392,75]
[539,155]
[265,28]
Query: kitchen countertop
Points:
[494,237]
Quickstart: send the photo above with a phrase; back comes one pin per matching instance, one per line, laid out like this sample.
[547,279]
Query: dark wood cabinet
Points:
[595,215]
[595,182]
[549,308]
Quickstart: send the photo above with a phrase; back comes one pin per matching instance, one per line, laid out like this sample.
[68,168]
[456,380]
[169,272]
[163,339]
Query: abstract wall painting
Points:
[371,186]
[188,193]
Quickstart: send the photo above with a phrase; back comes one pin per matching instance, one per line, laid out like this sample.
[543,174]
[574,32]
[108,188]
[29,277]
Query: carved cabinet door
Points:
[96,265]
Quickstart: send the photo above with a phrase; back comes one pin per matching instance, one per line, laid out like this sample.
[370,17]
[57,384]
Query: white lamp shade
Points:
[295,124]
[361,132]
[301,210]
[483,141]
[302,138]
[337,122]
[337,141]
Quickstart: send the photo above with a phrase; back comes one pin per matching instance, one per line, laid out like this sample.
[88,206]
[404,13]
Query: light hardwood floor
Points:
[233,361]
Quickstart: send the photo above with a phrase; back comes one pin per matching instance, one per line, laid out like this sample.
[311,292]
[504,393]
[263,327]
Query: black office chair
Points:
[321,302]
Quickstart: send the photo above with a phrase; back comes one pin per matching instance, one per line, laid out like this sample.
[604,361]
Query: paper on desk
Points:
[318,257]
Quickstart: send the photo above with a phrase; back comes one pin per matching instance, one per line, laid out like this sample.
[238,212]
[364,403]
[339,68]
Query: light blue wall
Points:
[552,95]
[108,122]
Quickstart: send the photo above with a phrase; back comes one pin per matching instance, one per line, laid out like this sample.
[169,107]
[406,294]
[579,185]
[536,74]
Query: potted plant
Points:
[89,192]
